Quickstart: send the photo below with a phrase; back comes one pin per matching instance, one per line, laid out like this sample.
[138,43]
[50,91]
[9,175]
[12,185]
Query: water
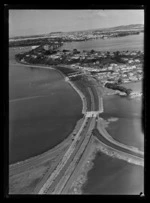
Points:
[114,176]
[128,128]
[108,175]
[131,42]
[43,110]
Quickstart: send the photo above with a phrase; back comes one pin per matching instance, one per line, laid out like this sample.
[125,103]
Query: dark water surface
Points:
[128,128]
[43,110]
[114,176]
[40,122]
[110,175]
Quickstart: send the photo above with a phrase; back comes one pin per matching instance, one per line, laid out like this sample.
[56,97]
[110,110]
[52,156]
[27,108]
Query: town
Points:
[110,69]
[85,35]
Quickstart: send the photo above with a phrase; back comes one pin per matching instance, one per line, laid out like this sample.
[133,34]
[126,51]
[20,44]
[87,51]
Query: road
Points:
[57,180]
[118,145]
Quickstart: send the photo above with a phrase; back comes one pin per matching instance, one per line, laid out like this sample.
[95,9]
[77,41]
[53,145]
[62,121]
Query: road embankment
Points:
[19,167]
[108,139]
[96,146]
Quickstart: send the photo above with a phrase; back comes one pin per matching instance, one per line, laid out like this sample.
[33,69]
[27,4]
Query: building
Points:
[34,47]
[46,47]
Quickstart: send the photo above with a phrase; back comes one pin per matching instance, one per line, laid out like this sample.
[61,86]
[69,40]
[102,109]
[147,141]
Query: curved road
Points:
[65,163]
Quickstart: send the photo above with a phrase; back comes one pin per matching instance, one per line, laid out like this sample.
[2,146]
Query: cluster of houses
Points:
[130,70]
[125,73]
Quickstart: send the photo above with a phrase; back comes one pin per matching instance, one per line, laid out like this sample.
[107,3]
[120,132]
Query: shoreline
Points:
[47,153]
[16,164]
[96,147]
[82,178]
[94,150]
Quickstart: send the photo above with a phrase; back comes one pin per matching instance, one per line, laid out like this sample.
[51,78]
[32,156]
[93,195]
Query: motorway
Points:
[57,180]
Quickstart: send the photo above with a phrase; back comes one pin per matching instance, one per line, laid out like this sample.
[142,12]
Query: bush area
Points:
[27,42]
[115,86]
[32,42]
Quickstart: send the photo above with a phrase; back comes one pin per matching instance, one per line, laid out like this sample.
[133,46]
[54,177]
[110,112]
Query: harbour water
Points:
[128,128]
[112,176]
[39,123]
[43,110]
[130,42]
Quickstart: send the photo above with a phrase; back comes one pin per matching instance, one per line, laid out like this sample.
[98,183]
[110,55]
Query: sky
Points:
[33,22]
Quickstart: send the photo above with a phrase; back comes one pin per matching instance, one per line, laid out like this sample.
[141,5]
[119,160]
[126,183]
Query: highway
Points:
[71,154]
[56,183]
[118,145]
[55,177]
[114,146]
[59,177]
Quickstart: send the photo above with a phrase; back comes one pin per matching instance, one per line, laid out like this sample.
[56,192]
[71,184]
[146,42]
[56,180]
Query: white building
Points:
[34,47]
[130,61]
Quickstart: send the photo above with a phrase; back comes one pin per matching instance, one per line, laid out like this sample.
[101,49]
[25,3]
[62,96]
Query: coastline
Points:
[92,151]
[76,125]
[98,146]
[32,162]
[94,146]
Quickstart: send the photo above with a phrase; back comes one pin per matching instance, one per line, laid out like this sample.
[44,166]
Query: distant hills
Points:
[117,28]
[138,27]
[124,27]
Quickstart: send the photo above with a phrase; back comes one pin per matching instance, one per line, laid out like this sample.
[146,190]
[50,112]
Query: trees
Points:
[119,80]
[108,53]
[92,51]
[128,91]
[115,86]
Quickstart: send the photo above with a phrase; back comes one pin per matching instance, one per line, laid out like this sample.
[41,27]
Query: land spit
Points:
[20,169]
[102,147]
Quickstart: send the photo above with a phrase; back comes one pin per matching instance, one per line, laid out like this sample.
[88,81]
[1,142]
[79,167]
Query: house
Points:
[130,61]
[137,60]
[54,56]
[110,68]
[46,47]
[34,47]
